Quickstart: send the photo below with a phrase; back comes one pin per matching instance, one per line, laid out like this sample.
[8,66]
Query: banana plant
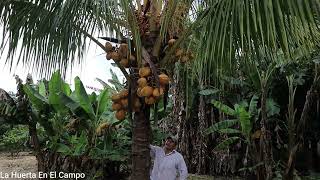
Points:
[9,111]
[244,117]
[85,112]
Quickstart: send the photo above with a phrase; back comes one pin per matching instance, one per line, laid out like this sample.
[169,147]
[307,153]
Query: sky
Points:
[94,66]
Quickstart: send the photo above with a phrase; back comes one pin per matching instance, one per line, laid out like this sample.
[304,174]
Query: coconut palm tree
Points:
[51,35]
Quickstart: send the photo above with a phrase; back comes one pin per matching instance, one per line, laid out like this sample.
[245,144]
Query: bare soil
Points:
[24,162]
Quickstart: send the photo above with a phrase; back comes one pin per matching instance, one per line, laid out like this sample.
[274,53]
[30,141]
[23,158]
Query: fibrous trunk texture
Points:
[195,146]
[140,147]
[36,145]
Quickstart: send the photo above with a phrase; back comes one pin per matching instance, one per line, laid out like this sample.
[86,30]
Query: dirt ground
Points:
[25,162]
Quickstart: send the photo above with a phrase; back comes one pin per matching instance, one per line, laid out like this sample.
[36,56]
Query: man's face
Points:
[169,144]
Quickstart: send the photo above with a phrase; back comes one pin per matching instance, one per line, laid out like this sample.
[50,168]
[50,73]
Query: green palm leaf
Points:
[233,31]
[51,33]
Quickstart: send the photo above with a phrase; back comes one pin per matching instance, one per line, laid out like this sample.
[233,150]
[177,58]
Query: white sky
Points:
[94,65]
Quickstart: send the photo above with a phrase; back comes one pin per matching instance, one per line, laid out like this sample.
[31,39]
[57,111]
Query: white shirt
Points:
[167,166]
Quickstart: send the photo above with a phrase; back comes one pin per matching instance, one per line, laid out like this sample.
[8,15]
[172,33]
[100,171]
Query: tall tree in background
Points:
[49,35]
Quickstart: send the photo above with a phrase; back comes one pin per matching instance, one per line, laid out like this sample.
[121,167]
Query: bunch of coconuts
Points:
[147,88]
[181,55]
[120,104]
[120,54]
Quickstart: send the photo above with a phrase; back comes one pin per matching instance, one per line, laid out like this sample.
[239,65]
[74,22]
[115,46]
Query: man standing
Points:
[168,163]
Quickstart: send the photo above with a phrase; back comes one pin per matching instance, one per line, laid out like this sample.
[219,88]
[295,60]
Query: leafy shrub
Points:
[14,139]
[4,128]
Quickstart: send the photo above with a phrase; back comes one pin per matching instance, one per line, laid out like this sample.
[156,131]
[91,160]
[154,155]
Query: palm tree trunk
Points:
[201,138]
[193,144]
[140,146]
[265,141]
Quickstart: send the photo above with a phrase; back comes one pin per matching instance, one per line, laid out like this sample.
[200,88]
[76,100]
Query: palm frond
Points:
[48,35]
[234,30]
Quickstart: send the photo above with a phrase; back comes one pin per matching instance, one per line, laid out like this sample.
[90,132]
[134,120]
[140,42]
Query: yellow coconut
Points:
[124,102]
[142,82]
[120,115]
[123,50]
[184,59]
[115,56]
[124,93]
[144,71]
[139,92]
[157,92]
[146,91]
[115,97]
[124,63]
[116,106]
[163,79]
[171,42]
[108,56]
[149,100]
[108,47]
[179,52]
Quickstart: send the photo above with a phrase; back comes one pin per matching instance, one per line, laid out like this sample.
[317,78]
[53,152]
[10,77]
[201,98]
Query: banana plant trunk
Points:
[36,145]
[140,147]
